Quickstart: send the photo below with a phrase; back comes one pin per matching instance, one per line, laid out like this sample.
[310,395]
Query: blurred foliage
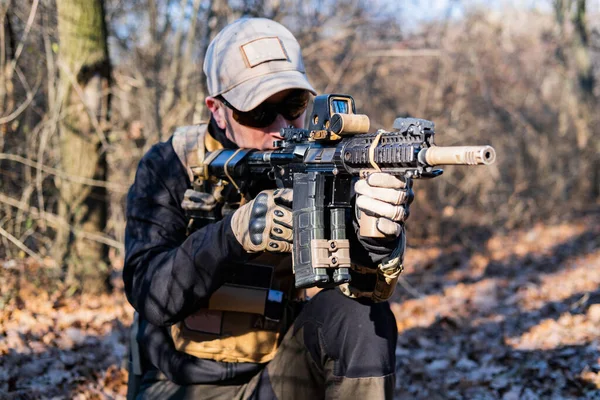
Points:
[524,81]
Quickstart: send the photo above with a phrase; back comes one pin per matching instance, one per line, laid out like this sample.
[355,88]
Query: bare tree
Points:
[579,102]
[85,75]
[531,92]
[7,50]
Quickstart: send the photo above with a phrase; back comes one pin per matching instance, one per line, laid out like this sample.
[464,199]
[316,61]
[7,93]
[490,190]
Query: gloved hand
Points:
[265,223]
[386,198]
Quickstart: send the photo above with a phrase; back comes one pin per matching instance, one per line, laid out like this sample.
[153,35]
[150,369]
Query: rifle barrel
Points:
[457,155]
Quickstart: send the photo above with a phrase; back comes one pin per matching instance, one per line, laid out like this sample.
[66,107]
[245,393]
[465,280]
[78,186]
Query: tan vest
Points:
[233,328]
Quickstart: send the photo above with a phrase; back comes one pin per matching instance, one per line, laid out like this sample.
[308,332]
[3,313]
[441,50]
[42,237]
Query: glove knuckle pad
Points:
[260,206]
[256,229]
[258,219]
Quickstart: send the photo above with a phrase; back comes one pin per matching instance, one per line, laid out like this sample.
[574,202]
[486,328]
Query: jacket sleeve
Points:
[167,274]
[370,252]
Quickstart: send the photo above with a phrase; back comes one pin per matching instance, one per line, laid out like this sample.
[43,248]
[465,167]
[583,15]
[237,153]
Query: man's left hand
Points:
[387,198]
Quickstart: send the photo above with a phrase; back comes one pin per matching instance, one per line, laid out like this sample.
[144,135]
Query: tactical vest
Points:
[247,316]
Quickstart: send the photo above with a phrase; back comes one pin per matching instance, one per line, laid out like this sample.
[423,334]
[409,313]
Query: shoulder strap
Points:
[191,144]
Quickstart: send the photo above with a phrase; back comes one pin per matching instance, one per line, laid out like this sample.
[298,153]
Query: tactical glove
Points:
[265,223]
[386,198]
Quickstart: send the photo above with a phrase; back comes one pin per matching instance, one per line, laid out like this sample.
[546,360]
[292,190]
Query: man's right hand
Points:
[265,223]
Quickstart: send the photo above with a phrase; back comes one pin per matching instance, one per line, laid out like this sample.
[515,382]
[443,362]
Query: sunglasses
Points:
[290,108]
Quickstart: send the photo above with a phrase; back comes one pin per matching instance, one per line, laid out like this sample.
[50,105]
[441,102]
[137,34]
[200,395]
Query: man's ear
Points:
[217,109]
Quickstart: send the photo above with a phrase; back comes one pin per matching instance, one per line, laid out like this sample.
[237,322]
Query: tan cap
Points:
[251,59]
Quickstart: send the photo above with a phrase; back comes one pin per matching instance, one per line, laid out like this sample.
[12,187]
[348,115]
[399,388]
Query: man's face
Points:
[249,137]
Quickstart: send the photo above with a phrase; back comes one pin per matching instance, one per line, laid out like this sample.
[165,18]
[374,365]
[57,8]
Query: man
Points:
[195,281]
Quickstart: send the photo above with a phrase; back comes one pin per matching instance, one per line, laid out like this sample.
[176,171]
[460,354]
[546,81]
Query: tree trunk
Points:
[586,83]
[7,48]
[188,67]
[579,89]
[84,82]
[217,16]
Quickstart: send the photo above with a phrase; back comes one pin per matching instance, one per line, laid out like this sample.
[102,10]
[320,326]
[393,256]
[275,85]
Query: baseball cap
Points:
[251,59]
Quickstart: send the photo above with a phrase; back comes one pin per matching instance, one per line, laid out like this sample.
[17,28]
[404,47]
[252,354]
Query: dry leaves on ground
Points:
[516,316]
[52,346]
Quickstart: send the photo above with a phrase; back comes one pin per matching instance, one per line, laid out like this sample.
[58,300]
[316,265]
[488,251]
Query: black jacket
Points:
[169,275]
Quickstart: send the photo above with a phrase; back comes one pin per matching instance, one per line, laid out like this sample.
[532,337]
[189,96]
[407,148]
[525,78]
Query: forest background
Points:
[88,86]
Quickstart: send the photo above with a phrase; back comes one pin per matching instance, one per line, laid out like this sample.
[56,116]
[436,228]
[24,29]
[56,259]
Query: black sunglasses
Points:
[290,108]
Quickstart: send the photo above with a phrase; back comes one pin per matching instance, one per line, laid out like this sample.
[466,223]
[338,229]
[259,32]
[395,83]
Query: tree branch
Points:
[56,221]
[77,179]
[20,245]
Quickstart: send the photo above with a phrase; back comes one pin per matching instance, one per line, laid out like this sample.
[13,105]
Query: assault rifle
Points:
[320,163]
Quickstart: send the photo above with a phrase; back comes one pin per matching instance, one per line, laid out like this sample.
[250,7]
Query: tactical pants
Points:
[337,348]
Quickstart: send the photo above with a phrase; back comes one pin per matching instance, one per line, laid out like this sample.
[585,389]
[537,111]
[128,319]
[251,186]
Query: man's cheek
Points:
[262,141]
[267,143]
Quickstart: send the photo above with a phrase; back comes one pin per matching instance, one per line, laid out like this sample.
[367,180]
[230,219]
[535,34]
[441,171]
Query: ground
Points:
[510,316]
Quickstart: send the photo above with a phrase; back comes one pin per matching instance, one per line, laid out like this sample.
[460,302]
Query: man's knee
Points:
[359,336]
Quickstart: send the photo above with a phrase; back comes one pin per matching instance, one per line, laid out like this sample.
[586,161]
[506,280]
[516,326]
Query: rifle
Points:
[320,163]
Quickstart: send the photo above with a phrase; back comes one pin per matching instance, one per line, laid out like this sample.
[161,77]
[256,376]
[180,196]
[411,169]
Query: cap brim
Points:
[248,95]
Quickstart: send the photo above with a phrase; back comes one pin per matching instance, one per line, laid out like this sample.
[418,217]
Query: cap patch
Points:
[263,50]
